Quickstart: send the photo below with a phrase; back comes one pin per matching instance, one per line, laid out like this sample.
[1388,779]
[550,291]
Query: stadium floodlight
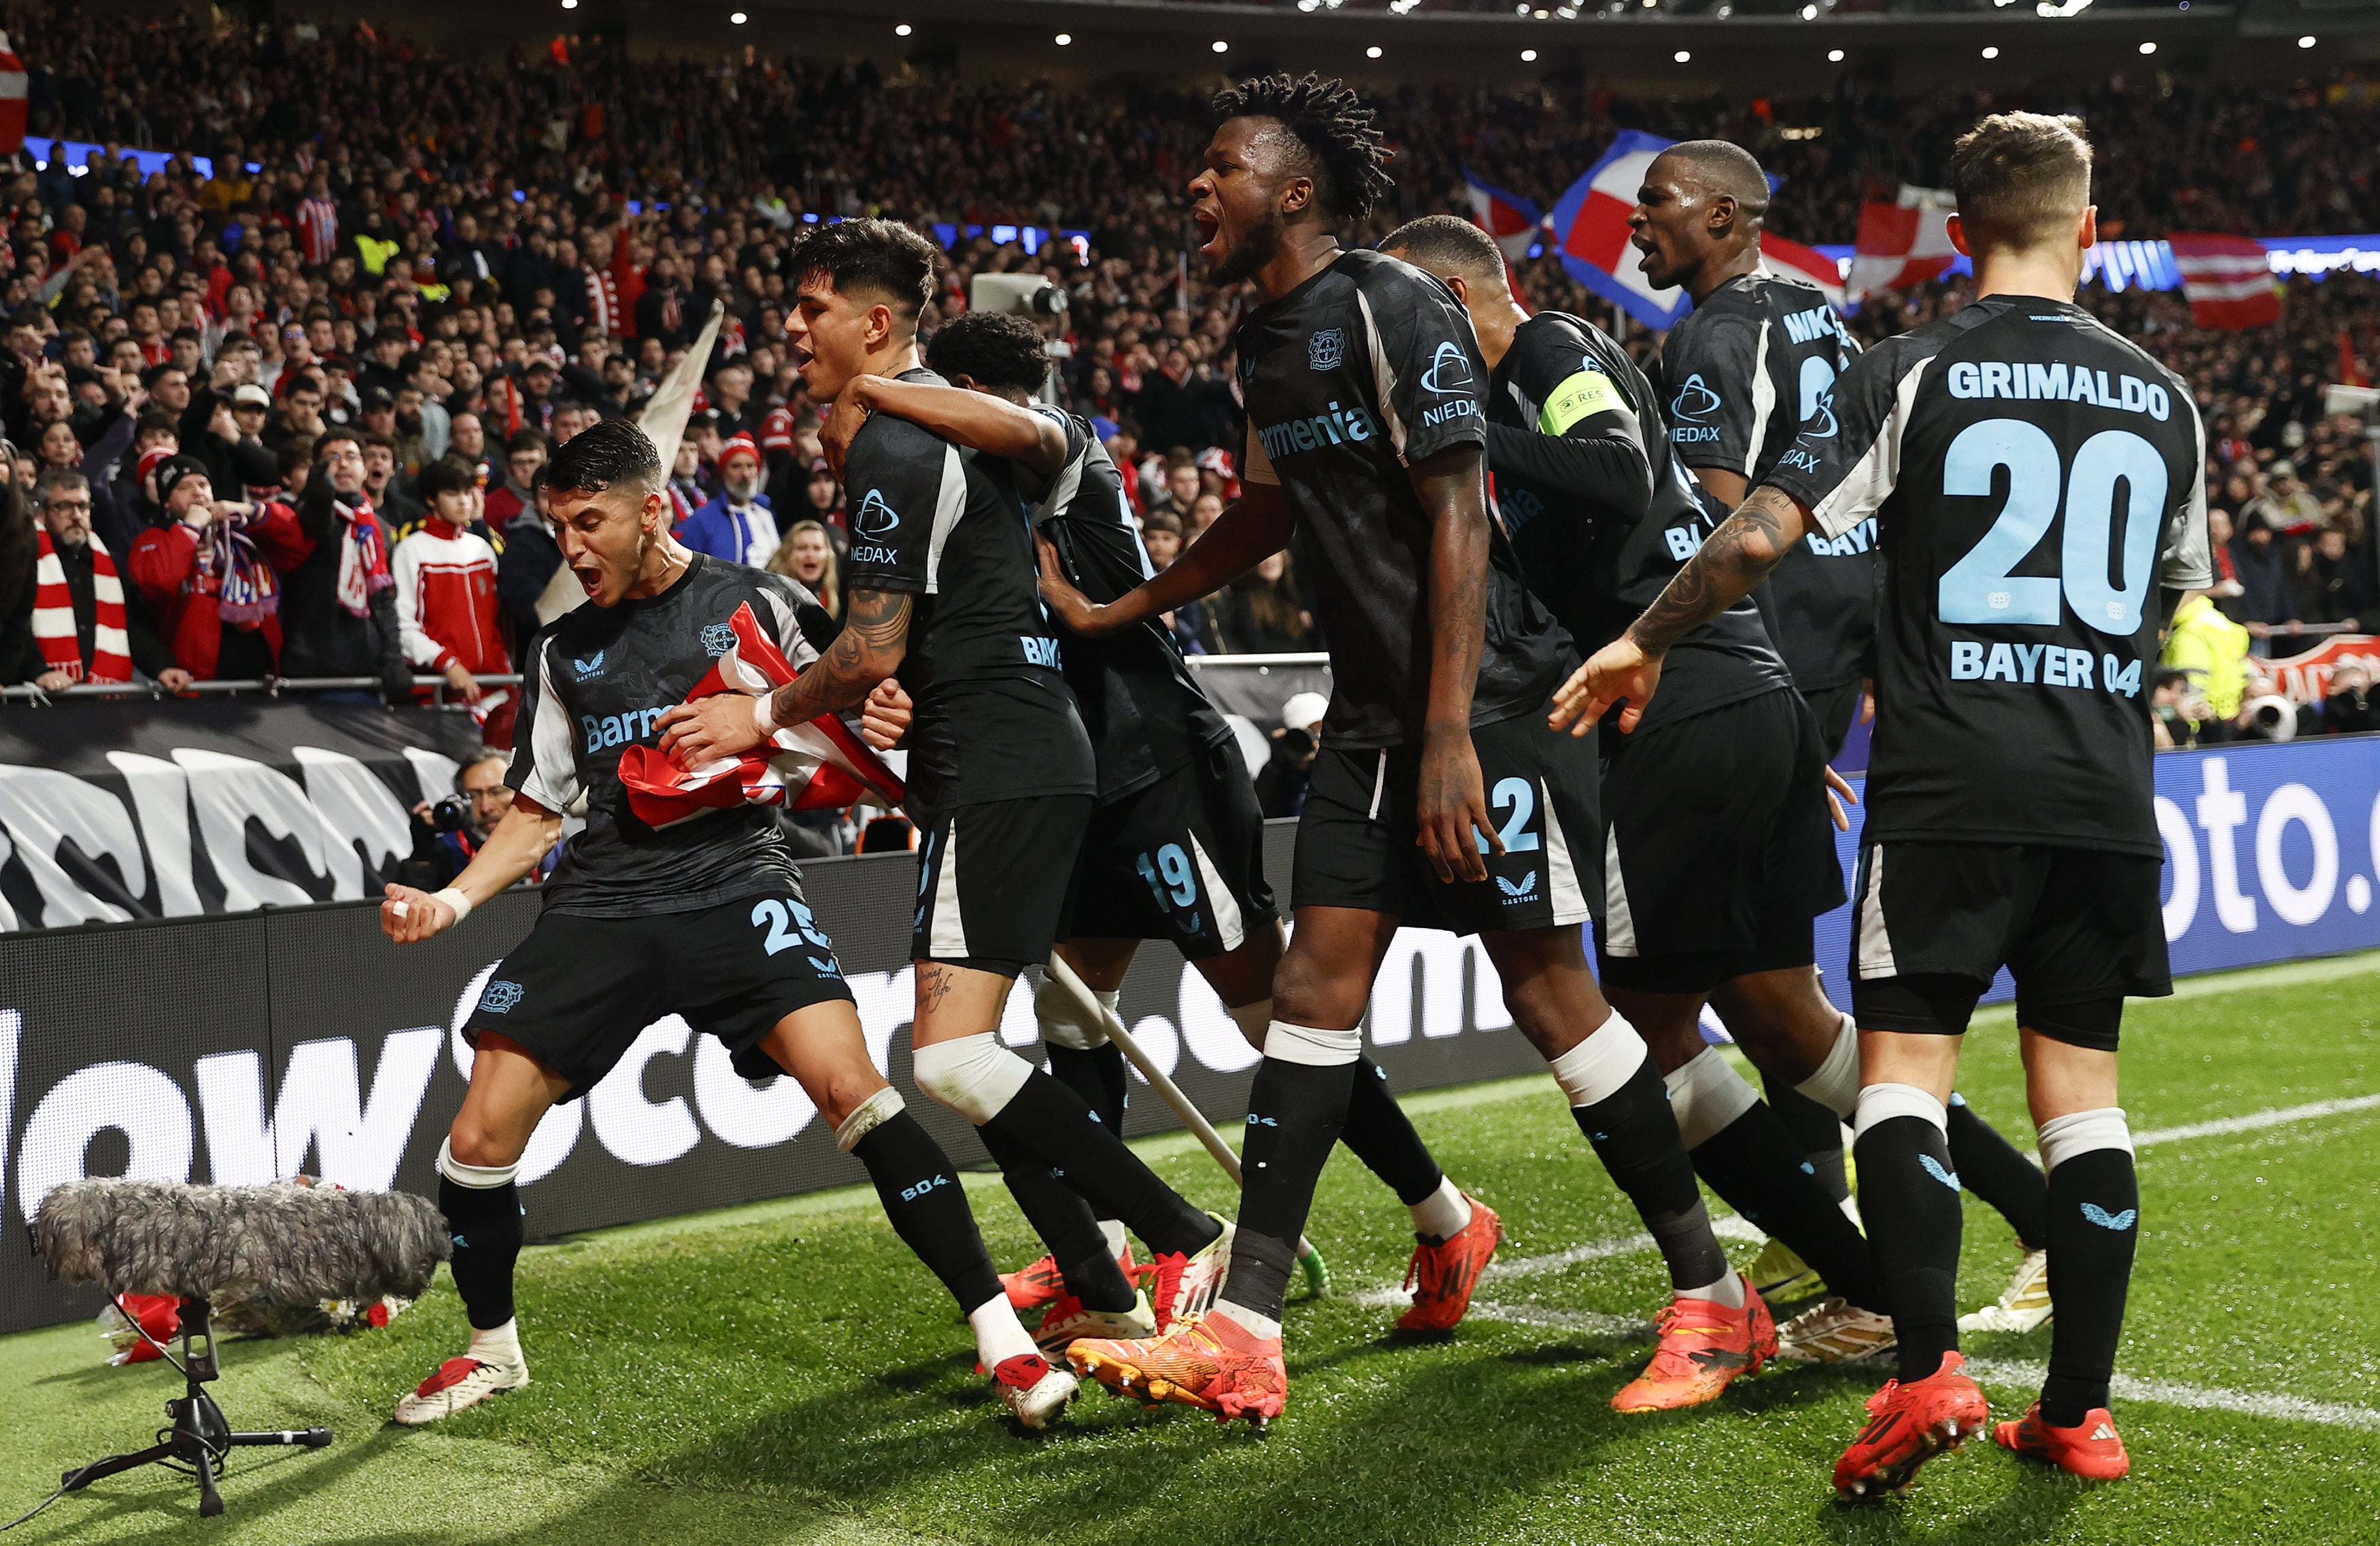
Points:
[1221,47]
[2148,48]
[901,31]
[1540,15]
[1809,13]
[1529,55]
[1373,52]
[2306,42]
[1682,55]
[738,18]
[1064,39]
[2061,7]
[1834,57]
[1991,53]
[569,4]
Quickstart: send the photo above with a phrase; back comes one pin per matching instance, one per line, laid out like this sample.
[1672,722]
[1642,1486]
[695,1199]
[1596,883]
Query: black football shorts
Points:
[995,881]
[1355,844]
[1181,859]
[578,991]
[2079,929]
[1718,851]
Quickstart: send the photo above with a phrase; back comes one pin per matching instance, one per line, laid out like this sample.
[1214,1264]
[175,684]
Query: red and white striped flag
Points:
[12,99]
[1904,242]
[818,766]
[2228,279]
[1793,260]
[1511,220]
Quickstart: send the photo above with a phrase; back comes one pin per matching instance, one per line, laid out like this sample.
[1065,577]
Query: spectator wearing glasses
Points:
[77,622]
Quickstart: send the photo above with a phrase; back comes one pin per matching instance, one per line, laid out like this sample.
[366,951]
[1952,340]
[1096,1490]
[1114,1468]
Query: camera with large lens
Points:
[448,814]
[1026,295]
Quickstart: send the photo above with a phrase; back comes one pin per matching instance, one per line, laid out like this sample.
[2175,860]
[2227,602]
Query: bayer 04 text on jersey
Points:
[2046,665]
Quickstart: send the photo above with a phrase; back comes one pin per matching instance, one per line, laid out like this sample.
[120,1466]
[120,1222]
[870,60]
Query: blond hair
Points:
[2021,178]
[828,589]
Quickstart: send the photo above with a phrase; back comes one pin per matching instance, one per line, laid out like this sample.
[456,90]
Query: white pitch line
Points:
[1727,1226]
[2276,1117]
[2205,1398]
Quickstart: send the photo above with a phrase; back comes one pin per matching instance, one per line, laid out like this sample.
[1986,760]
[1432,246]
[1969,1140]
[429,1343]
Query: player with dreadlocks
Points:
[1363,382]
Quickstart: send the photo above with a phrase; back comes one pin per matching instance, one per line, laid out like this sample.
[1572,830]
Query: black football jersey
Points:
[1364,369]
[595,683]
[1147,716]
[1566,377]
[2037,480]
[994,718]
[1746,369]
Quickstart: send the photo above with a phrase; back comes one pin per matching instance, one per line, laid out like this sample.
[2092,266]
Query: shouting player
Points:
[1754,361]
[639,922]
[1717,854]
[1363,383]
[1175,848]
[2037,485]
[1000,774]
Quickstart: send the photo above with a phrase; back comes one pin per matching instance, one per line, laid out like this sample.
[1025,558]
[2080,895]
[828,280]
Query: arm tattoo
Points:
[869,648]
[1723,571]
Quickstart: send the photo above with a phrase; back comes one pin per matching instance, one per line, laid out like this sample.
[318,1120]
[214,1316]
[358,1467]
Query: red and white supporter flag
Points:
[1904,243]
[1511,220]
[12,99]
[818,766]
[2228,279]
[1793,260]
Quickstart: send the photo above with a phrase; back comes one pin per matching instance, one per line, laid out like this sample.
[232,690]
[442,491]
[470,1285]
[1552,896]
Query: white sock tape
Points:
[2077,1133]
[975,1076]
[1882,1103]
[868,1116]
[1706,1095]
[1597,1068]
[1065,1019]
[1314,1047]
[483,1178]
[1836,1084]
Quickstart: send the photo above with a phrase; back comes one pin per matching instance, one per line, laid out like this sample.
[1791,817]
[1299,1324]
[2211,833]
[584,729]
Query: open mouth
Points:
[591,579]
[1210,228]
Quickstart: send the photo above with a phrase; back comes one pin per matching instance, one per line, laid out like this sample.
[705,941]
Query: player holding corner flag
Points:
[2038,482]
[1363,384]
[702,917]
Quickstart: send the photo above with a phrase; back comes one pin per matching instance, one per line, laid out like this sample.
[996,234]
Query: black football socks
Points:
[1377,1131]
[1996,1171]
[2095,1218]
[1636,1136]
[1818,1129]
[1097,1075]
[1747,1156]
[484,1221]
[1064,1222]
[1053,1124]
[1909,1194]
[921,1191]
[1296,1112]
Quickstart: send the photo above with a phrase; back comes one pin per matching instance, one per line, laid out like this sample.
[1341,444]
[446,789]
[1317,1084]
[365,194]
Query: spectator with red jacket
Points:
[446,586]
[212,574]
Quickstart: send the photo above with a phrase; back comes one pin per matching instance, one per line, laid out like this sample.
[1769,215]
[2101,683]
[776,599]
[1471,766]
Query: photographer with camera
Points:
[448,833]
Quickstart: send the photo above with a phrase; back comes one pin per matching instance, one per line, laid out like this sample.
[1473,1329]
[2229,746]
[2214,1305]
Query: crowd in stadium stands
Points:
[301,405]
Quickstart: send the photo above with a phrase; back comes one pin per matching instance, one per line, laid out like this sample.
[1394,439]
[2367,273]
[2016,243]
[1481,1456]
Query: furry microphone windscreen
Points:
[285,1244]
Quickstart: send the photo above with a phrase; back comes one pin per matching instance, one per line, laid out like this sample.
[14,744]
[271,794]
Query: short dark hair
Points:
[881,258]
[995,349]
[332,436]
[373,438]
[615,453]
[2020,176]
[1445,241]
[525,439]
[1160,521]
[1726,167]
[447,475]
[1344,154]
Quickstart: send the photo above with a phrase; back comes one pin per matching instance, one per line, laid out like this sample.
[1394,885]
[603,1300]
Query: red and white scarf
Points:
[363,557]
[54,617]
[818,766]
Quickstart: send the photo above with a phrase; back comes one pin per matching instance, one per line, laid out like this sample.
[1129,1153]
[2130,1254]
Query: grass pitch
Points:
[786,1373]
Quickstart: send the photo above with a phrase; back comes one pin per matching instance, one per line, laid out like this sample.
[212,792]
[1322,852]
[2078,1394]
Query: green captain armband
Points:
[1581,396]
